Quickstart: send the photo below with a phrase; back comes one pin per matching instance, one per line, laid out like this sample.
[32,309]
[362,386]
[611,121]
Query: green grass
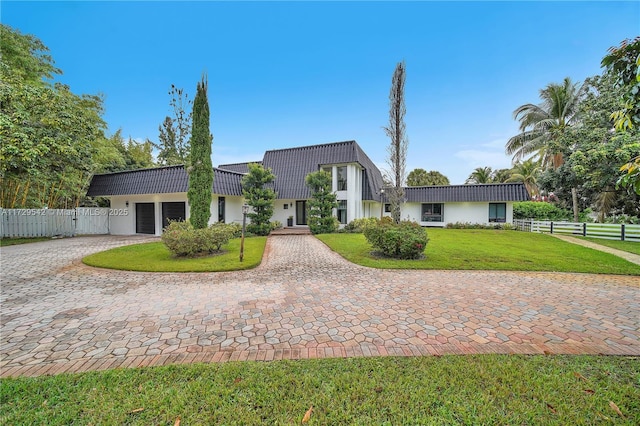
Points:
[15,241]
[155,257]
[631,247]
[447,390]
[487,250]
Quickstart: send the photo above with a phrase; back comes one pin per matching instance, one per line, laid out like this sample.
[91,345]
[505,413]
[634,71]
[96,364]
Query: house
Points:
[143,201]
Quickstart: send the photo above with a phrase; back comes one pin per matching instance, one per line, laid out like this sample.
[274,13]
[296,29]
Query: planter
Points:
[290,221]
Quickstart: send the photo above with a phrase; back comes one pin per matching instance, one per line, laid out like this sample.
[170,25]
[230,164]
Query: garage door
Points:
[145,218]
[173,211]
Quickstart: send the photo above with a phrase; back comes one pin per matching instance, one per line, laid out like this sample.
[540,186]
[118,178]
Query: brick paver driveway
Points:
[303,301]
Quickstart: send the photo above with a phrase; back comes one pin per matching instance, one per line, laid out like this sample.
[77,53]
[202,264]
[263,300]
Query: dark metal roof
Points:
[160,180]
[467,193]
[238,167]
[292,165]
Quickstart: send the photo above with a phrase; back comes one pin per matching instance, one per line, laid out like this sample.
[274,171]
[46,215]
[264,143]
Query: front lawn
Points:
[155,257]
[471,390]
[629,246]
[480,249]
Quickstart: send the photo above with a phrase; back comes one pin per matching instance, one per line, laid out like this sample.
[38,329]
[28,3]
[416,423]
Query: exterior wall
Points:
[232,211]
[456,212]
[281,214]
[126,224]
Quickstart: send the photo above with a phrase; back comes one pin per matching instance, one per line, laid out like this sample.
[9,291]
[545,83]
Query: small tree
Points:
[173,140]
[421,177]
[321,219]
[259,196]
[201,169]
[398,147]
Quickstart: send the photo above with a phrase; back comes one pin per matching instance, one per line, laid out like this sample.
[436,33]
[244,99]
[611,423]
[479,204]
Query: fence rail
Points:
[609,231]
[53,222]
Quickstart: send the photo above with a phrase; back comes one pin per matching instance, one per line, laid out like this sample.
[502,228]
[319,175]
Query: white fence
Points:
[53,222]
[609,231]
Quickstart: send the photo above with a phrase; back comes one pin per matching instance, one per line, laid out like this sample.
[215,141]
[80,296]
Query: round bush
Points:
[406,240]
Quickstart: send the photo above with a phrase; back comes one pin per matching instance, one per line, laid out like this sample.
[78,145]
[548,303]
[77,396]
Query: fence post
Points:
[622,232]
[551,227]
[584,229]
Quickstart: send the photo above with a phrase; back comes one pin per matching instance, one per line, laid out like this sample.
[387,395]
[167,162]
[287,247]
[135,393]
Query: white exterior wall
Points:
[126,224]
[456,212]
[232,210]
[281,214]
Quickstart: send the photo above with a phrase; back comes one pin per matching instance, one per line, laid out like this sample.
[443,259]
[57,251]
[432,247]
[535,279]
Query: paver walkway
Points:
[304,301]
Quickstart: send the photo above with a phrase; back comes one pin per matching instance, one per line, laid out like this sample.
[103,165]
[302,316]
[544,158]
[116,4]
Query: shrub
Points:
[357,226]
[406,240]
[276,224]
[183,240]
[539,211]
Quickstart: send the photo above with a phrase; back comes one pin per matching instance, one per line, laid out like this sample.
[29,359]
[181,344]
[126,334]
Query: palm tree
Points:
[527,173]
[541,124]
[480,175]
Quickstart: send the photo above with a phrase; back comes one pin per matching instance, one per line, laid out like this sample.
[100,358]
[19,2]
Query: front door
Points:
[145,218]
[301,212]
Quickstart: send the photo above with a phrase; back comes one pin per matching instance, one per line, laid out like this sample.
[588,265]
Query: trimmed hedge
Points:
[183,240]
[406,240]
[540,210]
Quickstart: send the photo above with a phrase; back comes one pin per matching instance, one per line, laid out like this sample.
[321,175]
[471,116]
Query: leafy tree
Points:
[527,173]
[174,131]
[502,175]
[322,203]
[397,150]
[421,177]
[624,62]
[631,178]
[48,133]
[480,175]
[256,190]
[200,168]
[542,125]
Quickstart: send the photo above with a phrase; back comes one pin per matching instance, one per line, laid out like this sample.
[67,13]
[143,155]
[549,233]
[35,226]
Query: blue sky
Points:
[284,74]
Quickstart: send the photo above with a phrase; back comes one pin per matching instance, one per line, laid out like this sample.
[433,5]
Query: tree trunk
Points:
[574,199]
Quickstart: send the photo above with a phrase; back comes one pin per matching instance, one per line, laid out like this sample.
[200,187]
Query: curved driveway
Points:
[303,301]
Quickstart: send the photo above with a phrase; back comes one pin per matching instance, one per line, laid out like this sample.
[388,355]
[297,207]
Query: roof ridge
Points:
[237,164]
[228,171]
[312,146]
[141,170]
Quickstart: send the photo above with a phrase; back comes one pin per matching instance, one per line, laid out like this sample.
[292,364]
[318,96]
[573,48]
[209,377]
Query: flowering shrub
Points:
[406,240]
[183,240]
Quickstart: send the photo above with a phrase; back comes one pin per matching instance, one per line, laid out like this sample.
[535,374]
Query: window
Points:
[342,178]
[432,212]
[221,203]
[387,208]
[328,170]
[342,211]
[498,212]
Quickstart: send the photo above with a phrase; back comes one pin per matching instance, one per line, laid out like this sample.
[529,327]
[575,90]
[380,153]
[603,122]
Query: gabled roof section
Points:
[238,167]
[496,192]
[291,166]
[160,180]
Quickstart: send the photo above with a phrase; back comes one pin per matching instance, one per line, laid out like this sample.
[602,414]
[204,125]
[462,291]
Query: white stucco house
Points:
[142,201]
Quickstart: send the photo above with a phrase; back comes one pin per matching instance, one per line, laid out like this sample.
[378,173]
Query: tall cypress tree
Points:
[201,168]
